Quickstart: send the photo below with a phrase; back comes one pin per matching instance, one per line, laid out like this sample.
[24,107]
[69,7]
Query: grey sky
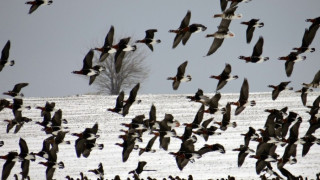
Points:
[52,42]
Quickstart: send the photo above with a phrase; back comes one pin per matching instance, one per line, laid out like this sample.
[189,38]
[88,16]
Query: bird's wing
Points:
[215,45]
[94,128]
[223,4]
[50,172]
[312,32]
[289,67]
[134,92]
[126,108]
[151,142]
[7,166]
[87,61]
[17,88]
[241,157]
[249,33]
[57,117]
[226,115]
[231,9]
[175,85]
[5,51]
[275,94]
[150,33]
[203,150]
[181,70]
[206,122]
[244,92]
[119,102]
[199,116]
[33,8]
[25,168]
[23,146]
[177,39]
[152,113]
[185,21]
[227,70]
[79,146]
[186,37]
[221,84]
[305,40]
[305,149]
[316,79]
[258,48]
[150,46]
[92,78]
[109,38]
[118,60]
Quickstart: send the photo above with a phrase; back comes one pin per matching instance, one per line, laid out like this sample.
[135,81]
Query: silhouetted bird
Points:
[88,69]
[180,76]
[5,56]
[149,39]
[36,3]
[107,47]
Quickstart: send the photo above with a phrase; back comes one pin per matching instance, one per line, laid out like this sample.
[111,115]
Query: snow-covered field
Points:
[85,110]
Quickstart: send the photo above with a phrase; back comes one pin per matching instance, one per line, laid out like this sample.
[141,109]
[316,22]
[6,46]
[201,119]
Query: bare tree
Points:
[133,71]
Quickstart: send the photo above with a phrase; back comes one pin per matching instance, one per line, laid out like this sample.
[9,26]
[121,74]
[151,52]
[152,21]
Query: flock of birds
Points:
[278,124]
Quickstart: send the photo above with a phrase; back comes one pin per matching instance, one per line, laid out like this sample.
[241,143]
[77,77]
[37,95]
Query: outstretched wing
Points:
[87,61]
[181,70]
[109,38]
[215,46]
[5,51]
[33,8]
[258,48]
[185,21]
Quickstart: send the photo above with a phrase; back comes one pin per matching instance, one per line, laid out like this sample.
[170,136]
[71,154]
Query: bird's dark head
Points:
[241,57]
[61,165]
[134,47]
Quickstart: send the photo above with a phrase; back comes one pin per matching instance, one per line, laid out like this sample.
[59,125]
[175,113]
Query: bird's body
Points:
[180,32]
[256,54]
[243,99]
[224,77]
[5,56]
[180,76]
[88,69]
[252,24]
[37,3]
[107,47]
[291,59]
[277,89]
[149,39]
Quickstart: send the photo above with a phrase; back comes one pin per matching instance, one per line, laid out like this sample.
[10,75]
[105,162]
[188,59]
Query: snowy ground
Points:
[85,110]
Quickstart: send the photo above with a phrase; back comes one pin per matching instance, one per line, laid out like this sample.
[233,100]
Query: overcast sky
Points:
[52,42]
